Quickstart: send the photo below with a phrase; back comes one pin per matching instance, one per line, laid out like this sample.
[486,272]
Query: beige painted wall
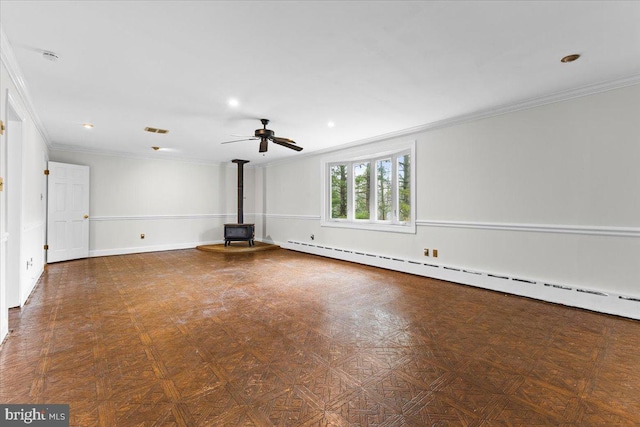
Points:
[30,208]
[541,193]
[175,204]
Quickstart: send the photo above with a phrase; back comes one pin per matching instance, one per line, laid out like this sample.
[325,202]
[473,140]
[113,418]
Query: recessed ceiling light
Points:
[87,125]
[164,149]
[570,58]
[233,102]
[331,124]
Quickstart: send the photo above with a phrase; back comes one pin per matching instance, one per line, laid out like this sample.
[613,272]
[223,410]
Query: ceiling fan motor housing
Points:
[264,133]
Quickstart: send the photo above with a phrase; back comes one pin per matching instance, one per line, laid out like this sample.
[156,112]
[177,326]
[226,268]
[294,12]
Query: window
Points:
[372,191]
[383,189]
[404,188]
[339,191]
[362,189]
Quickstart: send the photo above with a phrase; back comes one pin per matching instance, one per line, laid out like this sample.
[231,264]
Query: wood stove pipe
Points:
[240,164]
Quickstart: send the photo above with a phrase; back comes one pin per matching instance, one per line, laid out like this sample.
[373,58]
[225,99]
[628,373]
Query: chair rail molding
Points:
[539,228]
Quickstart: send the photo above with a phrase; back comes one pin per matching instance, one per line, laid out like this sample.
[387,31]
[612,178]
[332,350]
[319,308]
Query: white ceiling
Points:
[372,67]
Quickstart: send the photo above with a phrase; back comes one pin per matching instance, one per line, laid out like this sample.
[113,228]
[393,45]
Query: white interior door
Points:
[68,212]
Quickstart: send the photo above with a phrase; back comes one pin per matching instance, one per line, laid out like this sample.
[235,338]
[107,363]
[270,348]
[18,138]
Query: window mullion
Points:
[394,189]
[373,201]
[350,192]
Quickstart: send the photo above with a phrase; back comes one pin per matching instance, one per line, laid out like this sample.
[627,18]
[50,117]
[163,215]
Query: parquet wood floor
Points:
[280,338]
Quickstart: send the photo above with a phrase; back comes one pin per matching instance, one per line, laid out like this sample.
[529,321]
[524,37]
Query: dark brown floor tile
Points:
[286,339]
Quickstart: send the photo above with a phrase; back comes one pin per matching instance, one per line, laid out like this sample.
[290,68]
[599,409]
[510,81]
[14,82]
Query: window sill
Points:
[393,228]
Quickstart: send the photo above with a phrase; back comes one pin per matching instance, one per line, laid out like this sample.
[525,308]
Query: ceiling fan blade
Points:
[286,142]
[238,140]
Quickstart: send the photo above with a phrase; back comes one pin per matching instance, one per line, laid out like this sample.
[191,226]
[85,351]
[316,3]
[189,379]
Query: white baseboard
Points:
[32,286]
[574,296]
[143,249]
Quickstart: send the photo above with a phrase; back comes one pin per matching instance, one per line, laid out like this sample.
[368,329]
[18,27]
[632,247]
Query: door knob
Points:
[86,216]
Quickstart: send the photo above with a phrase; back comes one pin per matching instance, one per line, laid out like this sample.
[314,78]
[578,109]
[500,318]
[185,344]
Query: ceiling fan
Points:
[265,135]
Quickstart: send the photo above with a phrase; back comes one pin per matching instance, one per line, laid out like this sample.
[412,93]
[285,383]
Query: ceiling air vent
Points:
[156,130]
[50,56]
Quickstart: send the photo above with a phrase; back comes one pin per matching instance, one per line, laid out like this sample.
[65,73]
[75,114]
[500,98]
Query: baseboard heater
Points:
[591,299]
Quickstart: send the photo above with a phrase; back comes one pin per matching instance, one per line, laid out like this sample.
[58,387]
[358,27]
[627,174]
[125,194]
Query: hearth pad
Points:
[238,247]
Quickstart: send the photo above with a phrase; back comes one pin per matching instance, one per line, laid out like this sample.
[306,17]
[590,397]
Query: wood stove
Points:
[239,231]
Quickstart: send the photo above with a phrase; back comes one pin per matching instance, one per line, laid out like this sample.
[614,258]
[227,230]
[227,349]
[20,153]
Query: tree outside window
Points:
[339,195]
[383,189]
[404,188]
[362,189]
[373,192]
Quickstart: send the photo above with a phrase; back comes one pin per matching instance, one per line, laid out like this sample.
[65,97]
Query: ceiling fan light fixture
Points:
[570,58]
[263,145]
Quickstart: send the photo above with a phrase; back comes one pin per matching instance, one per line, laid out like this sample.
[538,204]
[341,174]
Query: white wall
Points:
[34,190]
[174,204]
[548,194]
[28,261]
[4,310]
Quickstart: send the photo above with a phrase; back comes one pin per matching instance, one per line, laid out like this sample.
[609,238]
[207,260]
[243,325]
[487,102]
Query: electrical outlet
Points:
[142,236]
[435,253]
[426,252]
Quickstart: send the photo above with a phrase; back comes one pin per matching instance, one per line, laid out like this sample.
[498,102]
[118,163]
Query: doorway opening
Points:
[14,206]
[10,213]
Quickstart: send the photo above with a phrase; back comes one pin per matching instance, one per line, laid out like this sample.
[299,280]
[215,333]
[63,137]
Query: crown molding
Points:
[560,96]
[15,73]
[17,77]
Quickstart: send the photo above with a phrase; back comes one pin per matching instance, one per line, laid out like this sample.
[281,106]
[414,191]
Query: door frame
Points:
[10,231]
[15,174]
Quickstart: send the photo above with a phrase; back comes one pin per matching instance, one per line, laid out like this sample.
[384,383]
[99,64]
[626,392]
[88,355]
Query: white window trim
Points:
[391,150]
